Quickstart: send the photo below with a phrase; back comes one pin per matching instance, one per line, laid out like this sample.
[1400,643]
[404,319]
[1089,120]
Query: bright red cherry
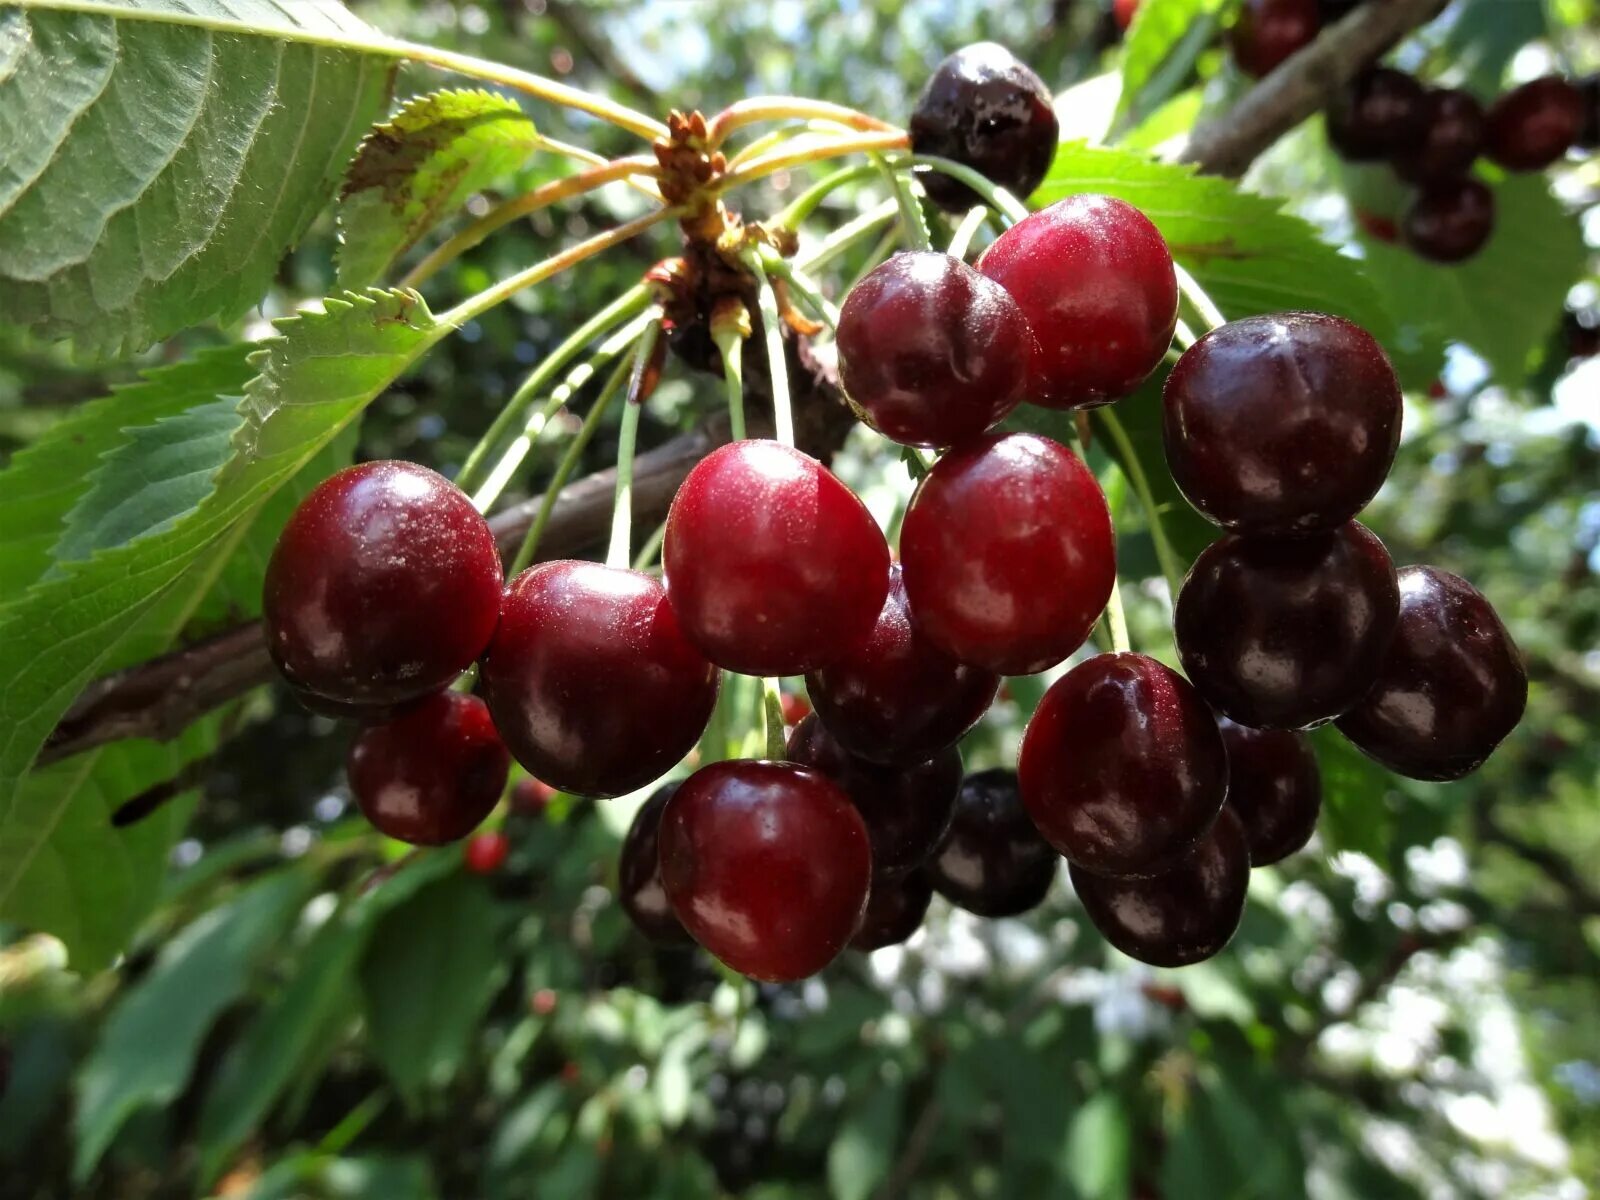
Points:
[796,708]
[767,865]
[593,685]
[1452,141]
[1287,634]
[1534,125]
[1275,787]
[896,697]
[931,353]
[1283,424]
[1381,113]
[1449,222]
[384,586]
[993,861]
[907,808]
[485,853]
[1122,767]
[1270,31]
[1183,916]
[773,566]
[1007,553]
[1452,685]
[432,774]
[1096,284]
[894,911]
[639,875]
[1122,11]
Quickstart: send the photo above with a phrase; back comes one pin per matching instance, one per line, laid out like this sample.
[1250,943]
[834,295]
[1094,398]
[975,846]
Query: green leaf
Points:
[1099,1149]
[861,1152]
[159,161]
[1486,35]
[1160,51]
[148,1047]
[421,166]
[1355,811]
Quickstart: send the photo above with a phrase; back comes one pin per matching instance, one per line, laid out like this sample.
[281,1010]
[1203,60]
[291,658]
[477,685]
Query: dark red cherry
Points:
[894,911]
[931,353]
[432,774]
[1275,787]
[1381,113]
[1452,685]
[486,853]
[1450,221]
[591,682]
[1378,227]
[1269,31]
[1095,282]
[896,697]
[639,875]
[1534,125]
[767,865]
[1183,916]
[1007,553]
[1122,767]
[993,861]
[1589,135]
[1452,139]
[1334,10]
[907,808]
[773,566]
[1287,634]
[1282,424]
[384,586]
[984,108]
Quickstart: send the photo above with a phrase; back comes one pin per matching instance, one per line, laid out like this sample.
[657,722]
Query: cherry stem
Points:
[1198,300]
[961,240]
[1117,619]
[880,251]
[772,712]
[803,205]
[731,343]
[627,438]
[847,235]
[783,108]
[1129,458]
[802,285]
[646,557]
[1183,335]
[863,143]
[996,197]
[772,332]
[911,214]
[550,193]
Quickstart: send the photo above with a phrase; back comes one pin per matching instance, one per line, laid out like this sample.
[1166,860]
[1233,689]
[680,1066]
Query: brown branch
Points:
[1303,85]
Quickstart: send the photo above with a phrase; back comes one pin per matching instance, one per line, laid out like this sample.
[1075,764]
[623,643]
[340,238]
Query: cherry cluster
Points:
[1267,32]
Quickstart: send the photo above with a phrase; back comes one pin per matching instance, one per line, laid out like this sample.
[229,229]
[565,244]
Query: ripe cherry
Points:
[796,708]
[1281,425]
[993,861]
[485,853]
[1450,221]
[1275,787]
[907,808]
[1287,634]
[1007,553]
[1270,31]
[1122,11]
[1589,135]
[1380,114]
[984,108]
[591,682]
[639,875]
[1183,916]
[384,586]
[931,353]
[1122,767]
[773,566]
[432,774]
[894,911]
[896,697]
[1095,281]
[1532,126]
[767,865]
[1451,142]
[1452,685]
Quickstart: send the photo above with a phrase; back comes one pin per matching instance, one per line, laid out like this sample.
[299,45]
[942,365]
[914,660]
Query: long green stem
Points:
[779,108]
[772,714]
[803,205]
[777,366]
[1117,618]
[847,235]
[1165,555]
[961,240]
[997,198]
[801,285]
[860,143]
[911,214]
[627,439]
[731,342]
[1196,295]
[651,548]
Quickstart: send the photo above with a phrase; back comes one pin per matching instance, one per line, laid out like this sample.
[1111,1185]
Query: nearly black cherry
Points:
[992,862]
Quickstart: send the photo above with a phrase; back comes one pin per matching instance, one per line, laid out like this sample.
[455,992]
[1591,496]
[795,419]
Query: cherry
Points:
[1589,135]
[1380,114]
[767,865]
[907,809]
[485,853]
[591,682]
[531,797]
[1275,787]
[1452,685]
[773,566]
[1452,141]
[1287,634]
[1122,11]
[993,861]
[1270,31]
[896,697]
[1377,226]
[795,708]
[432,774]
[383,587]
[931,353]
[1183,916]
[639,875]
[984,108]
[1007,553]
[1450,221]
[1532,126]
[894,911]
[1282,424]
[1096,284]
[1122,767]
